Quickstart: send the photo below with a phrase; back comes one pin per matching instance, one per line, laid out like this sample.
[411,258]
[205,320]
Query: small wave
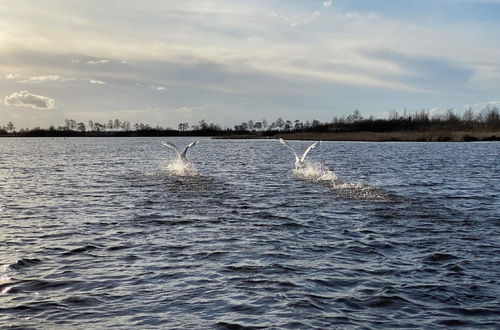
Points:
[180,167]
[453,323]
[25,262]
[6,289]
[4,279]
[234,326]
[440,257]
[315,172]
[78,250]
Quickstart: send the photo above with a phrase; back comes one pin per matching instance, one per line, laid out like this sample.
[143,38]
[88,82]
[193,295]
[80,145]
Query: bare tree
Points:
[110,125]
[80,127]
[117,124]
[10,127]
[264,124]
[251,125]
[126,126]
[183,127]
[279,123]
[393,115]
[70,124]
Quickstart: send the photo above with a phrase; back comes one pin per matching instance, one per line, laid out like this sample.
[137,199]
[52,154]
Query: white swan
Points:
[182,156]
[299,161]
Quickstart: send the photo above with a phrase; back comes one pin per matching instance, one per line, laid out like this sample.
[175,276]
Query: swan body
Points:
[299,161]
[182,156]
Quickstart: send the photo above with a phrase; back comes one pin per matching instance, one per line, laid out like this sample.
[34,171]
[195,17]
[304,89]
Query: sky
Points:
[165,62]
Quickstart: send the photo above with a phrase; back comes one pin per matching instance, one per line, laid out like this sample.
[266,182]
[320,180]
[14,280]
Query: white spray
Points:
[181,166]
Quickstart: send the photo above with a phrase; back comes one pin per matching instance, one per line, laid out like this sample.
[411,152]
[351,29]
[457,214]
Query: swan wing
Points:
[283,142]
[171,146]
[312,146]
[192,144]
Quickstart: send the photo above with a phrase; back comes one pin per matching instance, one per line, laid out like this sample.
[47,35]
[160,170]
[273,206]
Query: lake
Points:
[100,232]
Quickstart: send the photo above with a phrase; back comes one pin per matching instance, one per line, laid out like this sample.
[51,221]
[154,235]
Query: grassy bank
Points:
[403,136]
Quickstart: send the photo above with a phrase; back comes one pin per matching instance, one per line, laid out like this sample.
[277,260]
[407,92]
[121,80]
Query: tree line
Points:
[487,118]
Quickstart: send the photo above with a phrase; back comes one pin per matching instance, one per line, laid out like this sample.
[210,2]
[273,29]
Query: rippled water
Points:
[99,232]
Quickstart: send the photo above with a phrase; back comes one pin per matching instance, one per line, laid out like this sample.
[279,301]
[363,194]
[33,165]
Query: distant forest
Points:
[485,120]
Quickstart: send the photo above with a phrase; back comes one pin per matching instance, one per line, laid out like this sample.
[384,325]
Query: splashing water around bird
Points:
[309,170]
[317,172]
[299,161]
[181,166]
[313,171]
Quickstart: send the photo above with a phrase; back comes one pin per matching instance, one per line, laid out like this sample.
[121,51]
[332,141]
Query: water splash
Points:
[181,167]
[357,190]
[315,172]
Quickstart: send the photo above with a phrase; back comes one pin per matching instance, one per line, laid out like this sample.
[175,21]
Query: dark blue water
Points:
[97,233]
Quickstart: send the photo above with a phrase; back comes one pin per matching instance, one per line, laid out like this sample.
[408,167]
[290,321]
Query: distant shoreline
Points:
[396,136]
[362,136]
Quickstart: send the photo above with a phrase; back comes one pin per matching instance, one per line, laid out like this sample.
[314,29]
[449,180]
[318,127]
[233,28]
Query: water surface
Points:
[96,232]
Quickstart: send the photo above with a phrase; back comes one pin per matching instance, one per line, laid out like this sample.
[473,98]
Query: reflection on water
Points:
[101,232]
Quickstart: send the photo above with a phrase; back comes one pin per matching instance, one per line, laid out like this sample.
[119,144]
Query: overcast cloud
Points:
[240,60]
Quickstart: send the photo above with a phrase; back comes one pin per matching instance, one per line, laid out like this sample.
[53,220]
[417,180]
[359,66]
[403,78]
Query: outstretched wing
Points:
[312,146]
[192,144]
[283,142]
[171,146]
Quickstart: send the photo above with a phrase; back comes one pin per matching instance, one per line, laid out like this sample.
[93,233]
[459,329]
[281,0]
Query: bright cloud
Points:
[483,105]
[327,4]
[97,82]
[12,76]
[103,61]
[26,99]
[43,79]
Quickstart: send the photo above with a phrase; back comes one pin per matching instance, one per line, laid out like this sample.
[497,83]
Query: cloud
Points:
[426,71]
[43,79]
[98,62]
[205,51]
[306,20]
[11,76]
[98,82]
[26,99]
[483,105]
